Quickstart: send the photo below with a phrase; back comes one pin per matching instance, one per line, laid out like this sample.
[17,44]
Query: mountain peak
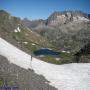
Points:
[67,16]
[4,12]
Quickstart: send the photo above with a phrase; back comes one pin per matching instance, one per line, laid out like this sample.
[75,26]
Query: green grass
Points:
[31,47]
[50,59]
[64,58]
[20,37]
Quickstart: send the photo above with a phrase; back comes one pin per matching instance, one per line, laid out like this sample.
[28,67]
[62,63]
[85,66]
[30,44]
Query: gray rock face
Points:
[83,55]
[59,18]
[12,75]
[68,30]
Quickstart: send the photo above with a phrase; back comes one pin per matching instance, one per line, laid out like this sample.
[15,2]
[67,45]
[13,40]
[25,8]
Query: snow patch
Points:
[68,51]
[57,59]
[33,44]
[25,42]
[63,51]
[78,18]
[17,30]
[64,77]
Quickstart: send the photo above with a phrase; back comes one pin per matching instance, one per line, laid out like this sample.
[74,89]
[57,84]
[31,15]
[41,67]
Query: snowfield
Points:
[64,77]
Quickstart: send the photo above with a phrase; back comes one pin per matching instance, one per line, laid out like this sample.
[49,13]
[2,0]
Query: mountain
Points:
[67,30]
[13,30]
[33,23]
[59,18]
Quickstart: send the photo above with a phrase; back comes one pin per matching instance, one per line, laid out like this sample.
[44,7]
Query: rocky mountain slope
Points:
[68,30]
[13,76]
[59,18]
[83,55]
[13,30]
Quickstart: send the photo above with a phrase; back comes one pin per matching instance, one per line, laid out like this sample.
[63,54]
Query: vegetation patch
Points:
[63,58]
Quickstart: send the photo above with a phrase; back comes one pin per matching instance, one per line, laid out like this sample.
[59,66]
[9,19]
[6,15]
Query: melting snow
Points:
[63,51]
[25,42]
[64,77]
[33,44]
[78,18]
[17,30]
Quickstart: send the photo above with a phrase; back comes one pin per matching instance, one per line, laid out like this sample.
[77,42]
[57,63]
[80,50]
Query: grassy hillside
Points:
[13,30]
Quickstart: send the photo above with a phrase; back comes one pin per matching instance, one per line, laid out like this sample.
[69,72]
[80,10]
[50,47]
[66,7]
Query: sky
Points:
[41,9]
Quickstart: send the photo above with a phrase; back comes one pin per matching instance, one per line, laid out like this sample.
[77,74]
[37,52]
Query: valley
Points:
[50,54]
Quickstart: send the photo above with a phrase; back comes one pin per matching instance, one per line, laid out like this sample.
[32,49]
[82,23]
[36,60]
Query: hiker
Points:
[31,57]
[31,69]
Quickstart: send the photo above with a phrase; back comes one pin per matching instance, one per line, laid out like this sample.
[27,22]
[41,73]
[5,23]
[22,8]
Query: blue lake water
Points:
[46,51]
